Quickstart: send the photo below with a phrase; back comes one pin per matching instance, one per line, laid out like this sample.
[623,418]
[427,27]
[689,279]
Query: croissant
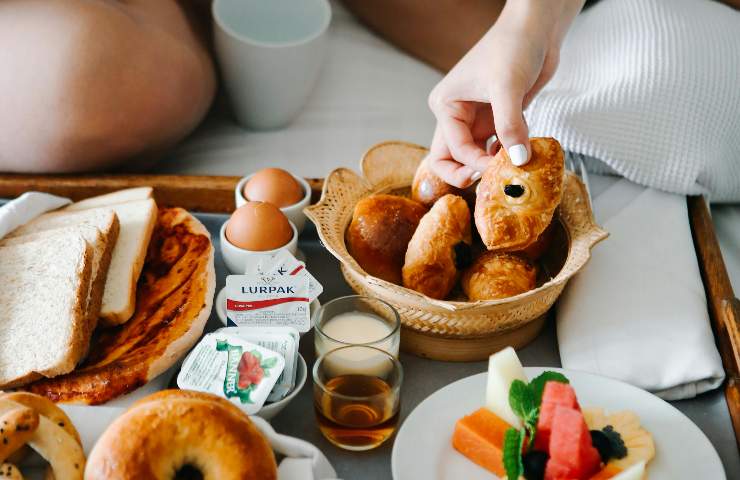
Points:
[516,204]
[498,275]
[439,249]
[379,233]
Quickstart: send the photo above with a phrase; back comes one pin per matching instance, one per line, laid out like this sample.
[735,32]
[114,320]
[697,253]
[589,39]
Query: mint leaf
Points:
[538,383]
[513,442]
[521,400]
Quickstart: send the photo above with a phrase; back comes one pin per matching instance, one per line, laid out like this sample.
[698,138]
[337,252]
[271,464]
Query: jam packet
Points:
[283,340]
[227,365]
[268,300]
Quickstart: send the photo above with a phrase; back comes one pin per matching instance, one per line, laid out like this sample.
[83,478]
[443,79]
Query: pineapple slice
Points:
[639,442]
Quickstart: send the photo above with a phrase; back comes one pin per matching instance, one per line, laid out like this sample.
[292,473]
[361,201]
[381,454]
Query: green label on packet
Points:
[244,370]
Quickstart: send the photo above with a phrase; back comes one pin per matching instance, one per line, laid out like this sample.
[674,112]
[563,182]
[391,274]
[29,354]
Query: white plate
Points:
[423,447]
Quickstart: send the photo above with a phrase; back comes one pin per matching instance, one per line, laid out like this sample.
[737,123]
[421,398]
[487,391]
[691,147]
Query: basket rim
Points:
[583,240]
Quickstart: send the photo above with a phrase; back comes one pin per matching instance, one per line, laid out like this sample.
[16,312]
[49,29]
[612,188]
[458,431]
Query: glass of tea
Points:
[356,320]
[357,393]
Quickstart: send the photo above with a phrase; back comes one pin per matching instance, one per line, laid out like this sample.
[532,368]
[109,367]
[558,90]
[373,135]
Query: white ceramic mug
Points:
[293,212]
[270,53]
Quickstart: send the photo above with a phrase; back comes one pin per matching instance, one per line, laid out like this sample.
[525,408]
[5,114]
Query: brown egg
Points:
[258,226]
[275,186]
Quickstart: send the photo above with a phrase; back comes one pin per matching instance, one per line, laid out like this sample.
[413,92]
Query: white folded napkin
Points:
[637,312]
[27,207]
[302,461]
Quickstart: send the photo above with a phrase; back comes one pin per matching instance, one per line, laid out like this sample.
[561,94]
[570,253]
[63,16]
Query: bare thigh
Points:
[89,84]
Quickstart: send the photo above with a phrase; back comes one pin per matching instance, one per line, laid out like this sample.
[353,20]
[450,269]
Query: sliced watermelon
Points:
[572,456]
[554,394]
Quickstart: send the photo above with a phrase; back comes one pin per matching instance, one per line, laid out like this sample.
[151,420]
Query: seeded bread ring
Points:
[8,471]
[161,435]
[17,426]
[53,443]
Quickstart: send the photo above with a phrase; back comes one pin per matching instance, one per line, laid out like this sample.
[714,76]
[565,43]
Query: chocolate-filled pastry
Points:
[538,248]
[498,275]
[439,249]
[379,233]
[427,187]
[516,204]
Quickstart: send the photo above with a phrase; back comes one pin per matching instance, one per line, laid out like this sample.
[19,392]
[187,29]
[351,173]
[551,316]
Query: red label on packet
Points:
[268,300]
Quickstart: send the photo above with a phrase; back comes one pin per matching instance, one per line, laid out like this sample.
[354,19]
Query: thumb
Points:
[511,129]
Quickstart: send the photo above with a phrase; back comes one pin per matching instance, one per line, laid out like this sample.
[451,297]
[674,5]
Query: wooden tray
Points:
[215,194]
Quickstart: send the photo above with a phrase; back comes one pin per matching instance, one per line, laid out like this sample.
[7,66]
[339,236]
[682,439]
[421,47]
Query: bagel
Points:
[17,426]
[52,442]
[8,471]
[171,432]
[515,205]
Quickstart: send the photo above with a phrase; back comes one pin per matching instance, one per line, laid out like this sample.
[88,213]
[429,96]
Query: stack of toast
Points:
[63,274]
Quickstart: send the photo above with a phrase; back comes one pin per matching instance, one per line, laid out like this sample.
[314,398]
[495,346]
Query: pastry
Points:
[51,441]
[439,249]
[427,187]
[17,427]
[535,250]
[175,432]
[516,204]
[379,233]
[498,275]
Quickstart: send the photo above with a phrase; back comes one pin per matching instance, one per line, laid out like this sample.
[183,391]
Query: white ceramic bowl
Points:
[269,410]
[236,258]
[293,212]
[221,307]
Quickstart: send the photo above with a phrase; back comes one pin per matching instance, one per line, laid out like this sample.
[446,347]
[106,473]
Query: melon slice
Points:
[555,394]
[608,472]
[503,368]
[635,472]
[572,456]
[480,437]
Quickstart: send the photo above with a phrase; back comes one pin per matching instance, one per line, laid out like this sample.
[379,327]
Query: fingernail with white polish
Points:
[475,176]
[518,155]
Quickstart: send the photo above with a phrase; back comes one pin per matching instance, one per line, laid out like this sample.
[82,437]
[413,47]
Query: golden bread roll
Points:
[175,432]
[439,249]
[516,204]
[427,187]
[498,275]
[379,233]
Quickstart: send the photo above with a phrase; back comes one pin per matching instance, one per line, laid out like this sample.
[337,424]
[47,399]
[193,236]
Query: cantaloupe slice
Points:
[609,471]
[480,437]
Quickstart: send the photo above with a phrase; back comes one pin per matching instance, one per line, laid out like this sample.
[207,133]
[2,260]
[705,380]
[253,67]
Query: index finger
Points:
[456,126]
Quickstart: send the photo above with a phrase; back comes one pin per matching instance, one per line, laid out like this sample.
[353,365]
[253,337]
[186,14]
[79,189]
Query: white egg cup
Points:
[293,212]
[236,259]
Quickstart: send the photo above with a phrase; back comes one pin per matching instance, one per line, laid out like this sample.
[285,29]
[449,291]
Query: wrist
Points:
[550,18]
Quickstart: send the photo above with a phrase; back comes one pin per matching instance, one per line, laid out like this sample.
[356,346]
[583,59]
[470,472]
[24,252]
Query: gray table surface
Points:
[423,377]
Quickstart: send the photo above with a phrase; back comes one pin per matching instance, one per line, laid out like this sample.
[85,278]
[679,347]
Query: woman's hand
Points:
[487,91]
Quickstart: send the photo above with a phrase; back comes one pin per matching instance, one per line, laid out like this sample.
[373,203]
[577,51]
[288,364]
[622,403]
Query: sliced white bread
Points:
[121,196]
[100,229]
[136,222]
[45,287]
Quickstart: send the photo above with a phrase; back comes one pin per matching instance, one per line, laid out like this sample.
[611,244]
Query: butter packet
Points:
[283,340]
[266,300]
[226,365]
[284,263]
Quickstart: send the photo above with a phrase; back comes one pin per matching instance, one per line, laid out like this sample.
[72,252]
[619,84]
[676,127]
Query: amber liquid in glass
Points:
[354,423]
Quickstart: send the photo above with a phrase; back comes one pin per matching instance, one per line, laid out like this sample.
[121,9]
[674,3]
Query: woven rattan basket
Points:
[450,330]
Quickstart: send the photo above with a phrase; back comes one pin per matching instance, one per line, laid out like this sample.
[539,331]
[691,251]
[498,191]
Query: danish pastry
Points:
[498,275]
[379,233]
[439,249]
[516,204]
[427,187]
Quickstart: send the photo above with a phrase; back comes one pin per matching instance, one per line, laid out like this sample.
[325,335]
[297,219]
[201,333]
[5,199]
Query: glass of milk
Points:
[357,320]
